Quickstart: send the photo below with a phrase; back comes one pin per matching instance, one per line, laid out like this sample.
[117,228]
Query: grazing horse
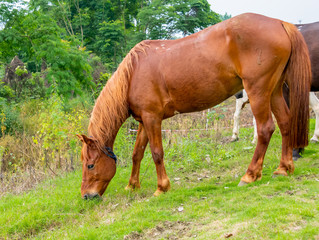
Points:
[160,78]
[310,33]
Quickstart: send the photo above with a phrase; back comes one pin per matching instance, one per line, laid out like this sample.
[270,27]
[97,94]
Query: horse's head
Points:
[99,167]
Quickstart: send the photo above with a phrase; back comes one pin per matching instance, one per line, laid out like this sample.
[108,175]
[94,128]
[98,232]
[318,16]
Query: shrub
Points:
[9,118]
[5,91]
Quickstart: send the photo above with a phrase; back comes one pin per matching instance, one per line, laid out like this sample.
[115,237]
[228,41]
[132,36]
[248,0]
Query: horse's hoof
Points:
[131,187]
[279,175]
[234,139]
[280,172]
[314,140]
[295,158]
[157,193]
[242,183]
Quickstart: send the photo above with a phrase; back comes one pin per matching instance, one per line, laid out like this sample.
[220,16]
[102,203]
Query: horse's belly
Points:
[202,94]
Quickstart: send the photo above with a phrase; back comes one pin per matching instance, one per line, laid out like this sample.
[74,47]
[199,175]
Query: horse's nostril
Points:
[91,196]
[96,196]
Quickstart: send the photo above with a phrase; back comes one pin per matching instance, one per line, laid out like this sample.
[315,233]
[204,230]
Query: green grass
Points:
[204,201]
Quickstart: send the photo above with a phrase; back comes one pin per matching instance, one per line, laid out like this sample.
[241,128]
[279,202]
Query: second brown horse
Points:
[158,79]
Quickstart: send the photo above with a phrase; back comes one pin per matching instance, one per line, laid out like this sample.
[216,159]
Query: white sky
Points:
[293,11]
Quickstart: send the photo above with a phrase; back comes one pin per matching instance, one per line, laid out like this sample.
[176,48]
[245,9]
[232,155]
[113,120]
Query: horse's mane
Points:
[111,107]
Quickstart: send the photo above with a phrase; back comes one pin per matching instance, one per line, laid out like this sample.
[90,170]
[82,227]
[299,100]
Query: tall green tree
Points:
[11,16]
[172,18]
[37,39]
[194,15]
[110,41]
[225,16]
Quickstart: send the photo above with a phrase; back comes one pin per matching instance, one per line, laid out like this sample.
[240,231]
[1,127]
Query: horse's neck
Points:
[111,139]
[108,116]
[111,108]
[105,133]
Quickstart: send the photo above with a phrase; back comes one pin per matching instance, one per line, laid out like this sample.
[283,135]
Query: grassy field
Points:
[204,201]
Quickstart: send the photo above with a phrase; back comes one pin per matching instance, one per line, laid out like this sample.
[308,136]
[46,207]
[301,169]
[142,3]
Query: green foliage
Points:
[166,19]
[225,16]
[123,146]
[194,15]
[5,91]
[35,87]
[110,41]
[38,37]
[10,123]
[19,71]
[57,129]
[69,71]
[48,140]
[11,16]
[100,83]
[216,113]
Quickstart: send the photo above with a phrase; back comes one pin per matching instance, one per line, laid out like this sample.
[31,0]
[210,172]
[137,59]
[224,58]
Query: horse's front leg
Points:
[152,124]
[255,132]
[138,153]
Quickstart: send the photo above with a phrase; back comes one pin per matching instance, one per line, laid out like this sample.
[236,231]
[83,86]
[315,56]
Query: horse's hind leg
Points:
[239,106]
[138,153]
[260,105]
[314,104]
[281,112]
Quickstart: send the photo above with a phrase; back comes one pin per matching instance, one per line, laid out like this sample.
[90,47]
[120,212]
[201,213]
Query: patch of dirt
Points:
[295,226]
[134,236]
[20,182]
[165,230]
[185,230]
[309,176]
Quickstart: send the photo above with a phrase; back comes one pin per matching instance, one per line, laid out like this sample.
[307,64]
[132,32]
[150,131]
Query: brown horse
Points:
[158,79]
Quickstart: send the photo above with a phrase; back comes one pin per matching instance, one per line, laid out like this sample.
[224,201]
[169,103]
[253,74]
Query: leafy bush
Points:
[48,141]
[57,129]
[9,118]
[5,91]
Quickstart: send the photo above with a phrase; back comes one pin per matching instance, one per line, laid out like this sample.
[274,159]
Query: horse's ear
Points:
[80,137]
[89,141]
[84,139]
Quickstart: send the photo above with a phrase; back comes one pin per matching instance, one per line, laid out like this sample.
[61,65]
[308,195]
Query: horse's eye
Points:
[90,166]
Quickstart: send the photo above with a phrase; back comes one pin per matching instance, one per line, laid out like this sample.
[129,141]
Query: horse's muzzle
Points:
[91,196]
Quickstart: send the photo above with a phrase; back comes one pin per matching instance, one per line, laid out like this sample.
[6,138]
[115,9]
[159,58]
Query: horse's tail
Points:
[298,77]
